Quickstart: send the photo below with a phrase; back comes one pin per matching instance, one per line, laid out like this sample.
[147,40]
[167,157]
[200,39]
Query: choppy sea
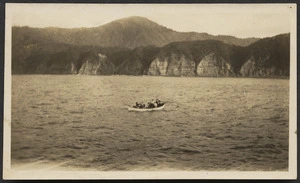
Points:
[207,124]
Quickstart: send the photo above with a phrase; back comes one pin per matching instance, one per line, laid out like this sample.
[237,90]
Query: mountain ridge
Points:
[139,46]
[130,32]
[268,57]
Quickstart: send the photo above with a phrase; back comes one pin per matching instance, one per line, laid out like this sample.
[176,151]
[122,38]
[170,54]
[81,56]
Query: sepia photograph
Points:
[150,91]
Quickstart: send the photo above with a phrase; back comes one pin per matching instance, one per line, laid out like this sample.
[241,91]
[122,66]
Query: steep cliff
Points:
[174,65]
[213,65]
[158,67]
[64,59]
[250,68]
[96,64]
[137,61]
[267,57]
[202,58]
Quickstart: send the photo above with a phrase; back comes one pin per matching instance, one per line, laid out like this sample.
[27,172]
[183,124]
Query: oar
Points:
[171,102]
[176,104]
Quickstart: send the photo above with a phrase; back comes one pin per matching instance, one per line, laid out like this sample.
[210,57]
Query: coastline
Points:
[115,75]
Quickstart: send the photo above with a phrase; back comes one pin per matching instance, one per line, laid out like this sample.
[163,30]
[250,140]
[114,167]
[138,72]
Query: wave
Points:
[175,150]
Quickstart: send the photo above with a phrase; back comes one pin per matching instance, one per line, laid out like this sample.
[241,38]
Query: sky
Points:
[243,20]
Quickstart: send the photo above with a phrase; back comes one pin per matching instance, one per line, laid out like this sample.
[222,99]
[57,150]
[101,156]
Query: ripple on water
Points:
[207,124]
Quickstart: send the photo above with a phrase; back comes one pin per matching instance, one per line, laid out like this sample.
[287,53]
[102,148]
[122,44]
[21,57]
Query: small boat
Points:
[146,109]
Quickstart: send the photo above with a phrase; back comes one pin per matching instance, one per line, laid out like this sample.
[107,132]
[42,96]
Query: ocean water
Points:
[208,123]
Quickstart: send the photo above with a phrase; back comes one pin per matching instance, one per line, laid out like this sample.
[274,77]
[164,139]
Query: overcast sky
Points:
[237,20]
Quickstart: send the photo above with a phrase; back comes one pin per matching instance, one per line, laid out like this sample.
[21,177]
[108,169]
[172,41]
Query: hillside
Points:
[265,58]
[128,32]
[268,57]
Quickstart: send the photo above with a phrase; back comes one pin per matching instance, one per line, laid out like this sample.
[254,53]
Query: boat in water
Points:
[146,109]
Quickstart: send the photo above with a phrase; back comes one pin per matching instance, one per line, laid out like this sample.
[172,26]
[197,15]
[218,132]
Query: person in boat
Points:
[159,103]
[138,105]
[154,103]
[151,105]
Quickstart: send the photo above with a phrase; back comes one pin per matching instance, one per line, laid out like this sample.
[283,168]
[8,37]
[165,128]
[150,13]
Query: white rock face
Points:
[89,68]
[96,66]
[181,66]
[174,65]
[158,67]
[250,69]
[213,65]
[102,55]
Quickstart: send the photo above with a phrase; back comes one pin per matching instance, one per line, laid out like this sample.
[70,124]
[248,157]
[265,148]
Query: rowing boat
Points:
[146,109]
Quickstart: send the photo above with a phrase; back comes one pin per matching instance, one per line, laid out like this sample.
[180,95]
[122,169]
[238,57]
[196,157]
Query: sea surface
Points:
[207,124]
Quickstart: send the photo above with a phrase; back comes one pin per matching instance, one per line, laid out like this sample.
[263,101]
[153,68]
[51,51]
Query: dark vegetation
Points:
[126,44]
[276,50]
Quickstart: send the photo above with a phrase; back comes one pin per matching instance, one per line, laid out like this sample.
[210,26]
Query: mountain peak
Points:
[130,32]
[135,20]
